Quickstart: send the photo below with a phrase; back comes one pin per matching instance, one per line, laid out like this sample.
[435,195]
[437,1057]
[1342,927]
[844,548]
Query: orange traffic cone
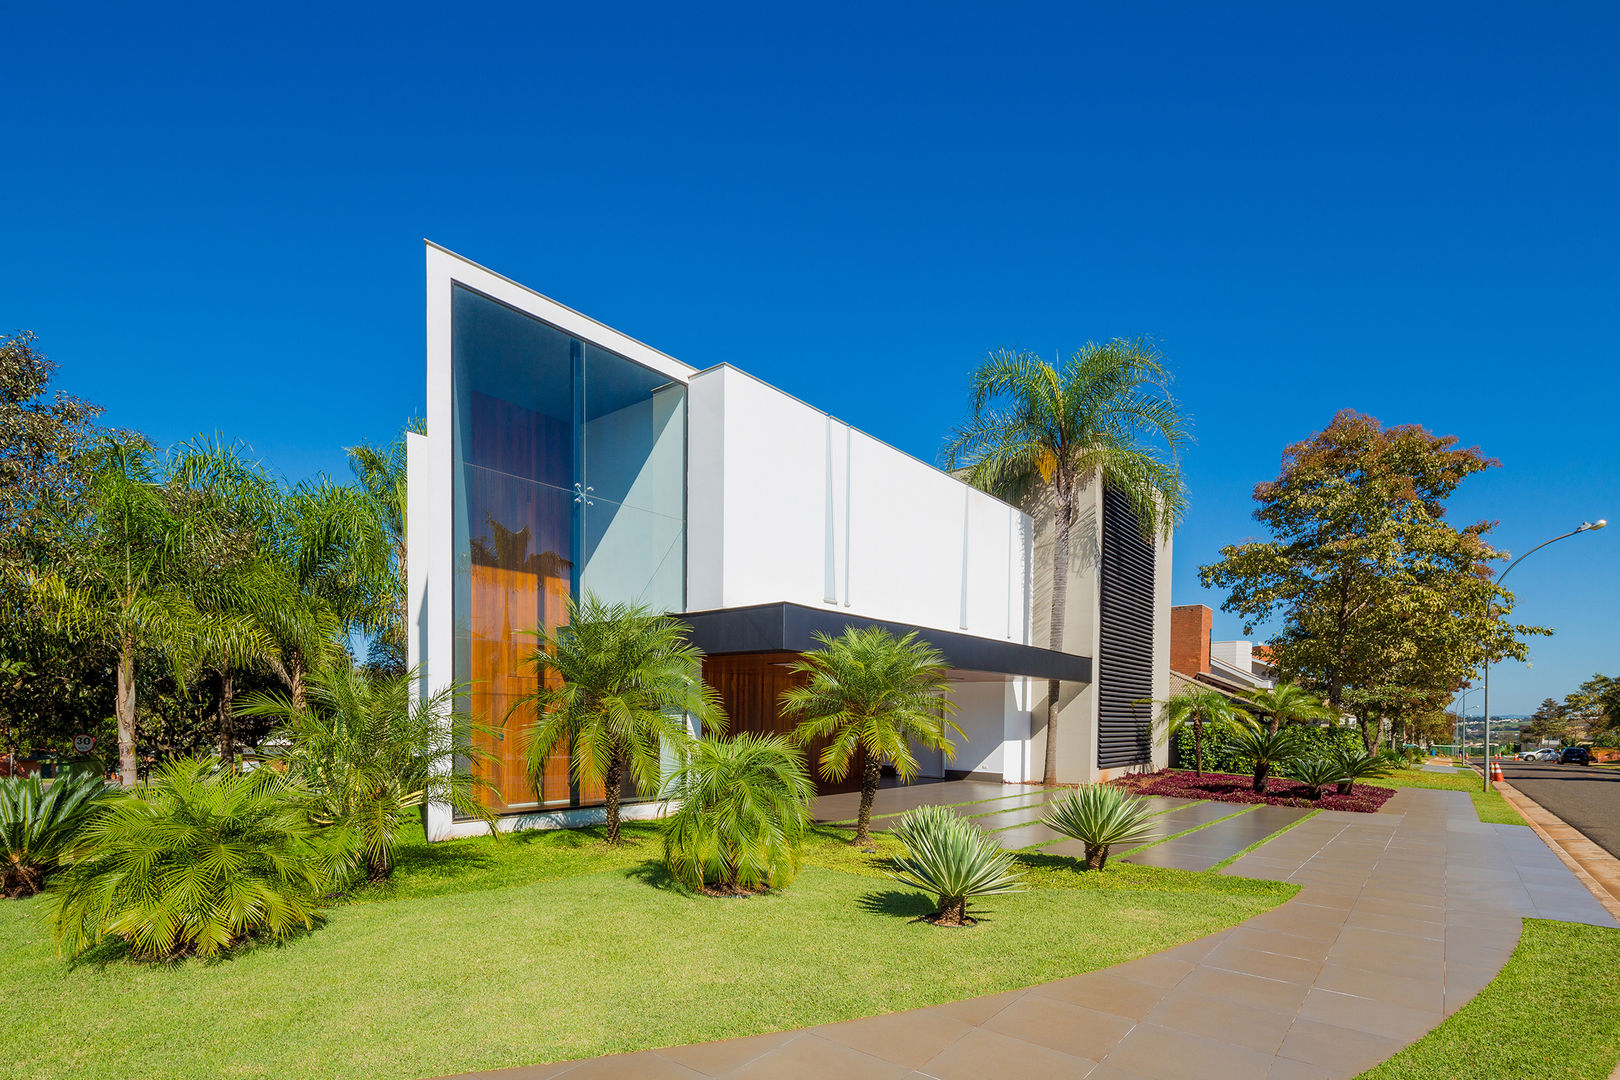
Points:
[1496,772]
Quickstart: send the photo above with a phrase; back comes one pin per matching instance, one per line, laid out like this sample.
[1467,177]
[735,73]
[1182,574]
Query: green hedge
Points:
[1316,740]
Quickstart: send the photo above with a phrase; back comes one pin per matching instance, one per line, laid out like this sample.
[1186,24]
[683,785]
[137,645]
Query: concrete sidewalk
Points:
[1404,915]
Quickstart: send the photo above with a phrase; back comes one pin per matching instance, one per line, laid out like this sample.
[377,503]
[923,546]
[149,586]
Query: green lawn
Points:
[1554,1011]
[545,946]
[1490,805]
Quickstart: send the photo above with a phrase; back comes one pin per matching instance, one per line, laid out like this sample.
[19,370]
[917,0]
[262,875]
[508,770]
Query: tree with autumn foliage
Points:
[1387,607]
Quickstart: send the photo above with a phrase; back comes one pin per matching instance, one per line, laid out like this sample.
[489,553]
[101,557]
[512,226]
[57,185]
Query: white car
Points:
[1546,753]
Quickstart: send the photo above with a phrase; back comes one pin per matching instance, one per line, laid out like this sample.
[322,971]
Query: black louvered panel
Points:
[1125,638]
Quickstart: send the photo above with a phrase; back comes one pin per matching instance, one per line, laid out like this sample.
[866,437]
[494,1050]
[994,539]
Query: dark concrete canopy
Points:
[788,627]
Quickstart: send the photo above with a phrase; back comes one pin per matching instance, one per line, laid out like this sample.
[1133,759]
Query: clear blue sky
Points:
[213,218]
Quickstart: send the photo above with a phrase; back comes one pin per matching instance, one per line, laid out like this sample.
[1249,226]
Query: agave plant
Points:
[195,861]
[1315,773]
[949,857]
[38,824]
[1357,764]
[1100,816]
[744,806]
[1264,748]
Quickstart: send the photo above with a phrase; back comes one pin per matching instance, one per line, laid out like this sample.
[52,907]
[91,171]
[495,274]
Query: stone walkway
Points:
[1403,916]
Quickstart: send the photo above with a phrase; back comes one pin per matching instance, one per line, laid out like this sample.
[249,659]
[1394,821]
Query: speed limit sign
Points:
[83,744]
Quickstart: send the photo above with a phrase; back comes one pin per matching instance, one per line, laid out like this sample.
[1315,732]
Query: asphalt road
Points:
[1585,796]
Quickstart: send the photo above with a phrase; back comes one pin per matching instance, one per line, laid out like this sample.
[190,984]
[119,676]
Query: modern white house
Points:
[562,456]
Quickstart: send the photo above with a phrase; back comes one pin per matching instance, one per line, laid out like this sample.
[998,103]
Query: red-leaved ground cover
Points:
[1225,787]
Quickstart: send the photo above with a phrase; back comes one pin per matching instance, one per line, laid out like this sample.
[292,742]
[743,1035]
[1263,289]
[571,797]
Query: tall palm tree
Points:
[145,573]
[1107,413]
[365,753]
[381,476]
[875,694]
[1202,712]
[1289,702]
[614,685]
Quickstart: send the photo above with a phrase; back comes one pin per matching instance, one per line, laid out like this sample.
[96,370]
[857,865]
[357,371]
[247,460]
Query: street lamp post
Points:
[1586,526]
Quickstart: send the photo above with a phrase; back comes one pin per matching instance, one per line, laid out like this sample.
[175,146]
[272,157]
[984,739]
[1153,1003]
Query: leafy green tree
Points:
[1105,414]
[192,863]
[613,687]
[1368,576]
[47,686]
[1290,703]
[875,695]
[742,807]
[1201,711]
[366,754]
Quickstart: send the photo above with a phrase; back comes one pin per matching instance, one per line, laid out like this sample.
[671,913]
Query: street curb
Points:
[1598,870]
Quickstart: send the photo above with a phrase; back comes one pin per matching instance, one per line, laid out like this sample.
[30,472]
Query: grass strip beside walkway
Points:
[1236,855]
[1554,1011]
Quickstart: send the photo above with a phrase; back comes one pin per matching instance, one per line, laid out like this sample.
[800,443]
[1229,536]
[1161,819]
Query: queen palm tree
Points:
[144,576]
[614,685]
[1106,413]
[1202,712]
[1289,702]
[871,693]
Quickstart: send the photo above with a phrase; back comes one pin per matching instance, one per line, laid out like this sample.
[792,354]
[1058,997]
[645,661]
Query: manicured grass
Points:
[1554,1011]
[1491,807]
[544,946]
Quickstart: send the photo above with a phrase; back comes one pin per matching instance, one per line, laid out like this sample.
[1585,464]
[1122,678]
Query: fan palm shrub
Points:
[38,823]
[366,753]
[1355,763]
[1266,749]
[1100,816]
[193,862]
[950,858]
[615,685]
[1315,773]
[872,693]
[742,808]
[1105,415]
[1202,712]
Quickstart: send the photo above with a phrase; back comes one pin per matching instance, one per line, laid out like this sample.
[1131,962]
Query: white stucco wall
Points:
[786,503]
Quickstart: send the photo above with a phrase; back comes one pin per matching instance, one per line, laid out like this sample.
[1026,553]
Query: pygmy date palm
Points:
[872,693]
[1288,703]
[1201,712]
[1105,414]
[614,684]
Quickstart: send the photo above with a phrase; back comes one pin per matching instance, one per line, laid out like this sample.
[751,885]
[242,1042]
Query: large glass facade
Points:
[570,475]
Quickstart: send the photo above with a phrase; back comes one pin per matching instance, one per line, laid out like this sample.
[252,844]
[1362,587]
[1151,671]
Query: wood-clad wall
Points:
[751,686]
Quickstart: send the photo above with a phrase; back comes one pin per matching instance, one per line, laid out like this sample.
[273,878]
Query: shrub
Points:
[1355,763]
[1220,757]
[949,857]
[366,754]
[1265,750]
[37,825]
[744,806]
[1100,816]
[1315,773]
[192,863]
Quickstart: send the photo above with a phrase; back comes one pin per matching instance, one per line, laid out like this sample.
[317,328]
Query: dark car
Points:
[1575,755]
